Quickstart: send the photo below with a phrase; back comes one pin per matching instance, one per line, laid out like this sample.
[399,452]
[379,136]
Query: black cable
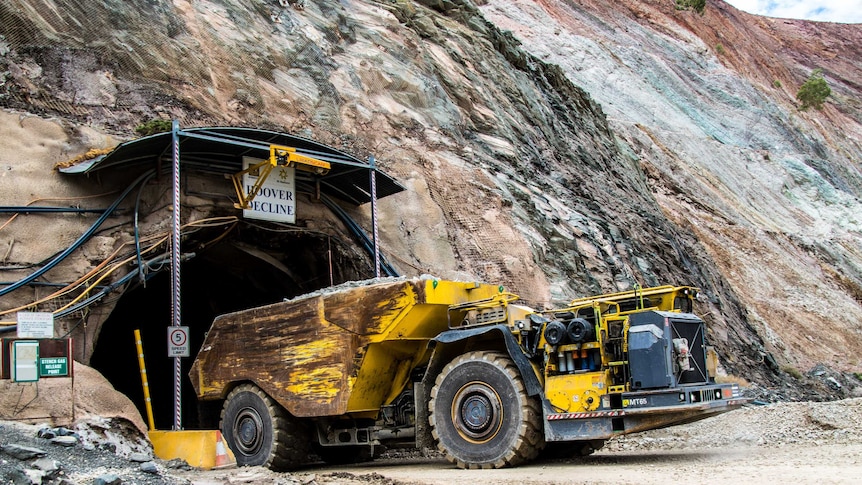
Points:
[141,276]
[81,240]
[35,209]
[357,230]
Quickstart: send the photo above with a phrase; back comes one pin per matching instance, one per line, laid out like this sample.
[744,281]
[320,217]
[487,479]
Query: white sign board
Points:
[276,200]
[178,342]
[35,325]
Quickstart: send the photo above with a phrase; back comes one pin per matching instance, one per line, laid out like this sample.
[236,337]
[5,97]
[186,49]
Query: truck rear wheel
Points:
[260,432]
[480,413]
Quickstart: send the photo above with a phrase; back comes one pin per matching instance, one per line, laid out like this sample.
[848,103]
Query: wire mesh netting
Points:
[120,63]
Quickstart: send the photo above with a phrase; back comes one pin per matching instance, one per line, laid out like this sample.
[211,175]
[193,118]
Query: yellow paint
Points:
[402,376]
[323,383]
[572,392]
[455,292]
[391,312]
[200,449]
[659,297]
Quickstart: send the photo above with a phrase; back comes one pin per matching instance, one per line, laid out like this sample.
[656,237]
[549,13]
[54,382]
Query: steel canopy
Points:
[220,150]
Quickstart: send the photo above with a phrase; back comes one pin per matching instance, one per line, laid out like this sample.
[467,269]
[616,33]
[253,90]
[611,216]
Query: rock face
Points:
[558,148]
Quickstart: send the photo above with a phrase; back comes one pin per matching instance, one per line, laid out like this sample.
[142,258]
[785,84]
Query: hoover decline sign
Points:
[276,200]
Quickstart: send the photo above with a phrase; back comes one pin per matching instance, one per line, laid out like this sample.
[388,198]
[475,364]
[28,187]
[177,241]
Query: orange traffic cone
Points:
[224,458]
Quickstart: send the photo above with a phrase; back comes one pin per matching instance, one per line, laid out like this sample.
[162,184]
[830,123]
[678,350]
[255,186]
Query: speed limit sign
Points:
[178,342]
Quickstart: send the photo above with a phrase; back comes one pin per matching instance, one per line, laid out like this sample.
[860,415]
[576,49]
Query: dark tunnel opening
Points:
[252,268]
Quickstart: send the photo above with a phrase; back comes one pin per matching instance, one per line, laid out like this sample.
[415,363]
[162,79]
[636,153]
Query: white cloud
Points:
[845,11]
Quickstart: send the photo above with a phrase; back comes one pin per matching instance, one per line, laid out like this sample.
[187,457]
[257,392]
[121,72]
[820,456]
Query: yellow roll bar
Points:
[279,156]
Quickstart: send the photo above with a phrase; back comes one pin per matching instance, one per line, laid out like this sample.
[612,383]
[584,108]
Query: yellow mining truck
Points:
[343,373]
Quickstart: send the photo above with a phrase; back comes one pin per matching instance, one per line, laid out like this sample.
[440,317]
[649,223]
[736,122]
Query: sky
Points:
[845,11]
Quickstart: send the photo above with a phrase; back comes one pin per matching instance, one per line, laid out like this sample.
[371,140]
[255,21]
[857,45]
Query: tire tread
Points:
[290,445]
[530,439]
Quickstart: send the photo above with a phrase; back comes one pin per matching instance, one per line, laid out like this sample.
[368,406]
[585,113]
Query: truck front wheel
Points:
[260,432]
[481,415]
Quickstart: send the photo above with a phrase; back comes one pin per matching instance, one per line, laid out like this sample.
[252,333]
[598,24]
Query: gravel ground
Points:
[111,450]
[776,424]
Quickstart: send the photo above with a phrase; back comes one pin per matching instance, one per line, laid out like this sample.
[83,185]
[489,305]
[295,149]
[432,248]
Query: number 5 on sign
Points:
[178,342]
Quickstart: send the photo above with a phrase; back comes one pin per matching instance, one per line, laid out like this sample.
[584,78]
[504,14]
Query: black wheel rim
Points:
[248,431]
[477,412]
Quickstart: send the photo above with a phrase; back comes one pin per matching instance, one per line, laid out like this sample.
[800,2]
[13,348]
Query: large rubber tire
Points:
[480,413]
[260,432]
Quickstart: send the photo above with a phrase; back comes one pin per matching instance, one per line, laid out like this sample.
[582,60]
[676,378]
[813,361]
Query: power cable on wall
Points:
[80,241]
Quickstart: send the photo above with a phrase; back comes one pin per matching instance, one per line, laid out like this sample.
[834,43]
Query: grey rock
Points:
[51,433]
[61,431]
[111,447]
[46,465]
[140,457]
[16,477]
[149,467]
[108,479]
[20,476]
[36,477]
[178,464]
[65,440]
[23,452]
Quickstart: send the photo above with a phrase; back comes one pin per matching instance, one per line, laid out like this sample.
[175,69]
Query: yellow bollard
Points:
[139,345]
[199,448]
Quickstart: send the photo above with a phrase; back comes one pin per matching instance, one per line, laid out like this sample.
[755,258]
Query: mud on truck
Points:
[342,374]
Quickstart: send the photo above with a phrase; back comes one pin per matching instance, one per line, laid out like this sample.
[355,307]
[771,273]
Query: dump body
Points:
[345,350]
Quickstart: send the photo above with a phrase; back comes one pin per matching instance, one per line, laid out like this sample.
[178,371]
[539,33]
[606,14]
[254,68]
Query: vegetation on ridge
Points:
[814,91]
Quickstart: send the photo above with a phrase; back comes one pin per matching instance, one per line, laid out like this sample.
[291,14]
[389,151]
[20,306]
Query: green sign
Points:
[54,367]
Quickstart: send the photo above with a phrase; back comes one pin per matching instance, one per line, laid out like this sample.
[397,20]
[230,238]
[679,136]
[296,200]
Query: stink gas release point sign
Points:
[276,200]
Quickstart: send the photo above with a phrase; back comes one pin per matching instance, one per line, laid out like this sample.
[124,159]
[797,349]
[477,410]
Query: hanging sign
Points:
[276,200]
[35,325]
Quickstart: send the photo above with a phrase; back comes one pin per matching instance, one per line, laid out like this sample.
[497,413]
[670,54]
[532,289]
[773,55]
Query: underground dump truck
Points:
[341,374]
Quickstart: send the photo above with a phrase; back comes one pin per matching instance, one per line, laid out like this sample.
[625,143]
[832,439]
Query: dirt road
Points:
[726,465]
[780,443]
[790,442]
[797,464]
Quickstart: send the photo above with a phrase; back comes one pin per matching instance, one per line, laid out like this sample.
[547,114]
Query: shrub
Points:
[814,91]
[776,83]
[696,5]
[152,127]
[792,372]
[719,49]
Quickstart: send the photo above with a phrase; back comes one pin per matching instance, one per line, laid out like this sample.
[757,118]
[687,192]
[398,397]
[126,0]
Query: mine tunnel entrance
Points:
[253,267]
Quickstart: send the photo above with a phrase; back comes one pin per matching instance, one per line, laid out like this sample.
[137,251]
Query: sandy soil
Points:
[788,442]
[786,464]
[798,442]
[804,463]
